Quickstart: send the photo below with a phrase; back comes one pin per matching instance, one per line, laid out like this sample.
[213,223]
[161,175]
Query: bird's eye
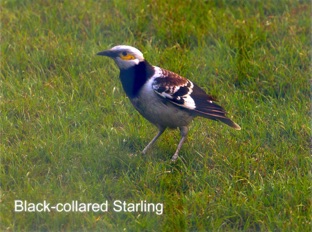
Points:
[126,56]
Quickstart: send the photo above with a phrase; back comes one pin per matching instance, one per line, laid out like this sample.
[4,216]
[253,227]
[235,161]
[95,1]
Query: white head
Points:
[124,56]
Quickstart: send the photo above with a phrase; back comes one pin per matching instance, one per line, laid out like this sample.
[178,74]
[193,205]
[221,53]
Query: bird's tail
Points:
[215,112]
[230,123]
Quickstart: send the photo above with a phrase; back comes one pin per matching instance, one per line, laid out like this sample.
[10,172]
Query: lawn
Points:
[69,133]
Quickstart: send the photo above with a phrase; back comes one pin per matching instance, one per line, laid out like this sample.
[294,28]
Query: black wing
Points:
[184,93]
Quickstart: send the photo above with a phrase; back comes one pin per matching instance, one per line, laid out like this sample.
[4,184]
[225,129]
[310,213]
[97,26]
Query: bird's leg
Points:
[183,131]
[161,130]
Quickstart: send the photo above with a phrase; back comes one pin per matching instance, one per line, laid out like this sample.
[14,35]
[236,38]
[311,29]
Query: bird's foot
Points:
[144,151]
[174,157]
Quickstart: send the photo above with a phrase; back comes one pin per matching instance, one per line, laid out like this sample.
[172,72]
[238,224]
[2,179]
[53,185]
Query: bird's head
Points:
[124,56]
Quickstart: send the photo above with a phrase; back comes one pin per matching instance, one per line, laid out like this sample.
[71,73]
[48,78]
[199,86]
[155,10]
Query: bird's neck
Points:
[135,77]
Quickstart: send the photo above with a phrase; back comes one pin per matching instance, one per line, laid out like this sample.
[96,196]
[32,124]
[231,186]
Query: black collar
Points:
[134,78]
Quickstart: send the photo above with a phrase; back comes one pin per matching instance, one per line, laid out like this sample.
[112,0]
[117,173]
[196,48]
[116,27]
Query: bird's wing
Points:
[182,92]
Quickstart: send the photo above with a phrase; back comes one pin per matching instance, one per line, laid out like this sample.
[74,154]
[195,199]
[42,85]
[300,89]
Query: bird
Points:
[163,97]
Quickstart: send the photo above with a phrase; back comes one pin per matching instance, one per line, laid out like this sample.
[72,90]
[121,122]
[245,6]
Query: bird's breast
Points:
[158,110]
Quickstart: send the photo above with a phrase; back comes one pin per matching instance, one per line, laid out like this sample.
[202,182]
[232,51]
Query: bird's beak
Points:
[108,53]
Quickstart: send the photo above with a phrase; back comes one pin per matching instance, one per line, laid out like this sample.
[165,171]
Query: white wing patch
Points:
[173,87]
[189,102]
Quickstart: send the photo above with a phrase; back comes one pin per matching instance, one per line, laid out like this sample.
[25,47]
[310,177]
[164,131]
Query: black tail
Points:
[211,110]
[229,122]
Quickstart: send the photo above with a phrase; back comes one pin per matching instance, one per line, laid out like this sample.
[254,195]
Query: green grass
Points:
[69,132]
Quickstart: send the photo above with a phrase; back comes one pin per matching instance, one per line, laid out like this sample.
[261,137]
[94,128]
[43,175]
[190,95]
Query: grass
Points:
[69,132]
